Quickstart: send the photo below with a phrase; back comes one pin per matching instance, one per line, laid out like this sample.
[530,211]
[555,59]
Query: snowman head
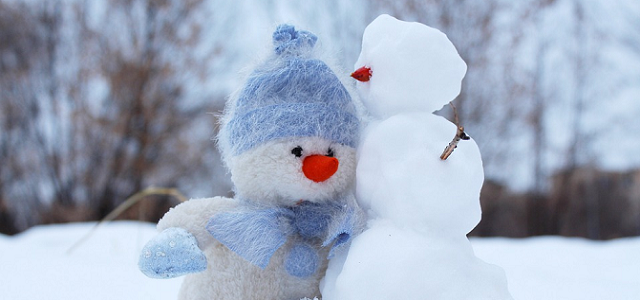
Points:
[290,134]
[406,67]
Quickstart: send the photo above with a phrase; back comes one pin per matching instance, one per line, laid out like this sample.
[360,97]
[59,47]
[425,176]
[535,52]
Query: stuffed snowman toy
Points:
[420,206]
[288,138]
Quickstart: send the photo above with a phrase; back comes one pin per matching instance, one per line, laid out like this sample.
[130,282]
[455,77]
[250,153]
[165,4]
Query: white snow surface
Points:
[34,265]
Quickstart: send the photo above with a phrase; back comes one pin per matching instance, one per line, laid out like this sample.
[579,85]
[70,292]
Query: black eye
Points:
[297,151]
[330,152]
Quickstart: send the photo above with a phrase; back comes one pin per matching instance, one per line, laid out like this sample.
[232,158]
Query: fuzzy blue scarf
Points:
[256,233]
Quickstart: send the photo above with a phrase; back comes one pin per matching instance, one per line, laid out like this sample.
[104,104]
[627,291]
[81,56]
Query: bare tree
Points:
[96,108]
[21,47]
[145,117]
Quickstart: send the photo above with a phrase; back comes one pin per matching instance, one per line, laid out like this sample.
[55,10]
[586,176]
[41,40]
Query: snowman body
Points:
[420,207]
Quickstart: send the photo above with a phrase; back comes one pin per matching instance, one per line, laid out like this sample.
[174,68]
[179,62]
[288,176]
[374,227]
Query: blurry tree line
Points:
[96,109]
[101,99]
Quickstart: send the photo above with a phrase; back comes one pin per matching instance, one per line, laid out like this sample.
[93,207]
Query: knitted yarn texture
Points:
[290,95]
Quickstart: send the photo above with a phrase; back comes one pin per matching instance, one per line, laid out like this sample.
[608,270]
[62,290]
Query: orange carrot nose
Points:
[319,167]
[363,74]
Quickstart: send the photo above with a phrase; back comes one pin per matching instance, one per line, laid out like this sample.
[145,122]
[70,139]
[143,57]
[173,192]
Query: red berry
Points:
[363,74]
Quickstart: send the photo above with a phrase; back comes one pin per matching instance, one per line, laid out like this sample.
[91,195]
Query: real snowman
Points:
[420,207]
[288,138]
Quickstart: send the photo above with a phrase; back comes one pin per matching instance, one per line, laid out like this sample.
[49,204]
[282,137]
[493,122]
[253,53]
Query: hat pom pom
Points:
[288,41]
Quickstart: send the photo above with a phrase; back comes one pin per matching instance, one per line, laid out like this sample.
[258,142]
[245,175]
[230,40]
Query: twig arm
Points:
[460,135]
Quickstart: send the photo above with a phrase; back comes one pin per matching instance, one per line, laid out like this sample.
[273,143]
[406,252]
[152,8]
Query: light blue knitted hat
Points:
[290,95]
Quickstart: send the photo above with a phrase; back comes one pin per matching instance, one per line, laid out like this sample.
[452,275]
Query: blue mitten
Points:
[172,253]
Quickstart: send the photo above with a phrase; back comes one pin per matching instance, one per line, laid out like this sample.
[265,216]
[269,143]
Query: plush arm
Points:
[193,216]
[178,249]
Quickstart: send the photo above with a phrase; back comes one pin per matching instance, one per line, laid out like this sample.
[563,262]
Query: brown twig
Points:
[460,135]
[126,205]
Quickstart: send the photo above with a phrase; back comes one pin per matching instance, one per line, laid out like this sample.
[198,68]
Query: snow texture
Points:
[172,253]
[401,177]
[420,207]
[414,67]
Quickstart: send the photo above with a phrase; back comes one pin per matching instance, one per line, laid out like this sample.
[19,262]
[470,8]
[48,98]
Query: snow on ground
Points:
[566,268]
[35,265]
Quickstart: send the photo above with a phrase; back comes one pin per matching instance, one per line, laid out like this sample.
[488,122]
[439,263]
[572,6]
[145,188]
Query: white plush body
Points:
[229,276]
[288,138]
[271,175]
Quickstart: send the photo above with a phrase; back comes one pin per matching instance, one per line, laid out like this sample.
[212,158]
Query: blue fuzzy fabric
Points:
[292,120]
[342,230]
[256,233]
[291,95]
[287,40]
[311,220]
[172,253]
[302,261]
